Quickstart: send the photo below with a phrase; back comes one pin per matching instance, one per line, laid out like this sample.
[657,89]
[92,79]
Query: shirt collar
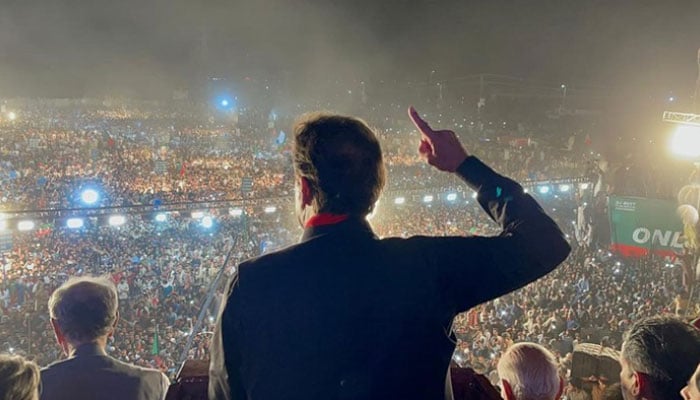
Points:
[349,224]
[325,219]
[89,349]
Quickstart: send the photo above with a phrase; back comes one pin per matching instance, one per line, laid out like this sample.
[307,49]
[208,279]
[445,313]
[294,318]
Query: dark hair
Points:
[19,378]
[342,161]
[665,349]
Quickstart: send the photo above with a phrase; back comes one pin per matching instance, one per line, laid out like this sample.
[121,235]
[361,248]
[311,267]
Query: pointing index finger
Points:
[422,126]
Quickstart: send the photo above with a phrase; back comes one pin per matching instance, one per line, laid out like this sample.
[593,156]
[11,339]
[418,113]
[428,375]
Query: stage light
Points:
[197,214]
[26,225]
[161,217]
[452,197]
[399,200]
[270,209]
[686,141]
[207,222]
[428,198]
[564,188]
[235,212]
[116,220]
[90,196]
[11,116]
[224,103]
[475,195]
[543,189]
[583,186]
[75,223]
[525,190]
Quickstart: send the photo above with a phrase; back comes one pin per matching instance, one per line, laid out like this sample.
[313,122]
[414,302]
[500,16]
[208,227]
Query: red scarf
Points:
[325,219]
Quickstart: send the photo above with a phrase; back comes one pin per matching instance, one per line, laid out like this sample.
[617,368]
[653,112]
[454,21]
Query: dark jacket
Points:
[91,374]
[345,315]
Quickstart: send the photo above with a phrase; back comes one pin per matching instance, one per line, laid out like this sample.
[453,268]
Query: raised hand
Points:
[440,149]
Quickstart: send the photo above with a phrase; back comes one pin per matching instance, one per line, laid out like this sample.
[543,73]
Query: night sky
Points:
[88,47]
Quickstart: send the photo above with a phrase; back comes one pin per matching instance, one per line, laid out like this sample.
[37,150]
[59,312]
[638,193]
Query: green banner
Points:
[641,225]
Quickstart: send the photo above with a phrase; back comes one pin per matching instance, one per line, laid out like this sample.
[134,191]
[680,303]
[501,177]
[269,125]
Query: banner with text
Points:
[640,225]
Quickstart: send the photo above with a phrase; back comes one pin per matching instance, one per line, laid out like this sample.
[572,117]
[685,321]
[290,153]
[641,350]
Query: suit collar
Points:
[353,224]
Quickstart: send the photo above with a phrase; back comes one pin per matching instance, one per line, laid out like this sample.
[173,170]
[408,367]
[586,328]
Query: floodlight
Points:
[207,222]
[686,141]
[583,186]
[428,198]
[75,223]
[399,200]
[89,196]
[452,197]
[161,217]
[11,116]
[543,189]
[474,195]
[235,212]
[117,220]
[270,209]
[224,103]
[26,225]
[564,188]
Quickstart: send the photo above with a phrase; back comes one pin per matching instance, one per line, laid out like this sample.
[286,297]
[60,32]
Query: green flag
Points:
[155,350]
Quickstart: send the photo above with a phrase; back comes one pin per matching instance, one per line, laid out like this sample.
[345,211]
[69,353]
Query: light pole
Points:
[563,98]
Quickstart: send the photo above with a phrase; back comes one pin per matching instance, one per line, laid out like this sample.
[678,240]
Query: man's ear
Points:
[561,389]
[507,390]
[641,385]
[307,196]
[60,337]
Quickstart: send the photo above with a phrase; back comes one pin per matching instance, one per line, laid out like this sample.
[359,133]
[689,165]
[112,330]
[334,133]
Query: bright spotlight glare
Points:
[161,217]
[474,195]
[270,209]
[197,214]
[207,222]
[235,212]
[11,116]
[25,225]
[564,188]
[117,220]
[543,189]
[399,200]
[583,186]
[452,197]
[686,141]
[224,103]
[75,223]
[89,196]
[427,198]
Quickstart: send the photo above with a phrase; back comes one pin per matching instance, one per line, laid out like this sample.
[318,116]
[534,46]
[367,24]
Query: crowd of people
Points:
[150,154]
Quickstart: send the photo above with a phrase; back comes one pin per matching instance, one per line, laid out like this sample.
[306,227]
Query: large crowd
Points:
[152,154]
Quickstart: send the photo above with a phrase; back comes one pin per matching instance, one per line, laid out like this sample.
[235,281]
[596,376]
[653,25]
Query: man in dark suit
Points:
[346,315]
[83,315]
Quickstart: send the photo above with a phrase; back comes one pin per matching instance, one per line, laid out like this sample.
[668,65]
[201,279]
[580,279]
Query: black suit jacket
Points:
[345,315]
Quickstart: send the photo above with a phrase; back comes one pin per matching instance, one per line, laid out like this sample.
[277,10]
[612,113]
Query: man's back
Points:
[91,374]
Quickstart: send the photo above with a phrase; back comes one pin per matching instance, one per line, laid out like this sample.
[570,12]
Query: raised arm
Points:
[472,270]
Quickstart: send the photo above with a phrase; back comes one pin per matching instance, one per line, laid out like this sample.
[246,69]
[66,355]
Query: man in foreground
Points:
[528,371]
[83,315]
[346,315]
[659,355]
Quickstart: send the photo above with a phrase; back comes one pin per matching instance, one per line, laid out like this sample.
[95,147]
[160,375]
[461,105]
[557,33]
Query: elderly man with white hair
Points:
[528,371]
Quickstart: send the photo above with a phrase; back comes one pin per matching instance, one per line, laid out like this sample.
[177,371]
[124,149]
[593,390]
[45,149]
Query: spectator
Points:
[659,354]
[528,371]
[691,391]
[84,315]
[19,378]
